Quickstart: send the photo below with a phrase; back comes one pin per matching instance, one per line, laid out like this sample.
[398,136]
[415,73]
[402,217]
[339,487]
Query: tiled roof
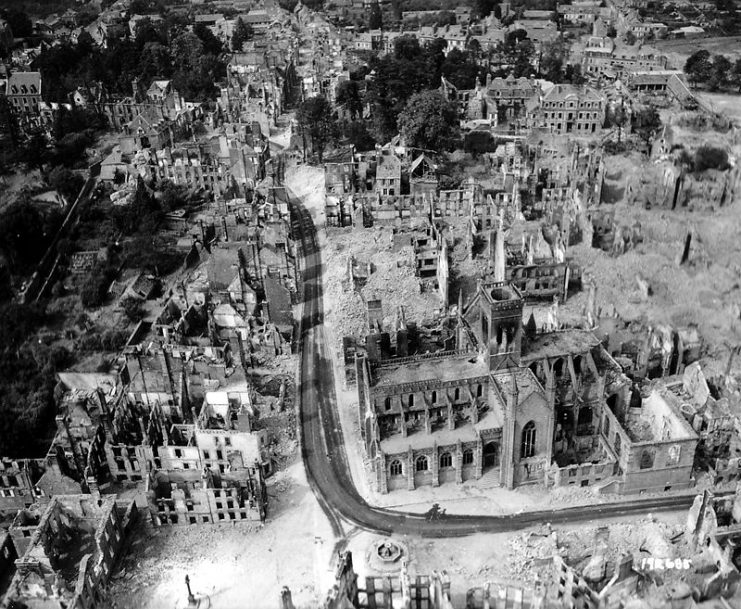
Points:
[562,92]
[20,83]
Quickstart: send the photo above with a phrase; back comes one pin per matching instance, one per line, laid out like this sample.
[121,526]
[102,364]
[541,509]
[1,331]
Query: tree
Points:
[314,116]
[173,196]
[348,95]
[65,181]
[574,75]
[155,61]
[242,33]
[721,73]
[186,50]
[646,123]
[617,116]
[375,18]
[6,289]
[132,308]
[552,60]
[147,32]
[138,7]
[410,69]
[20,23]
[461,69]
[611,32]
[477,142]
[429,121]
[21,236]
[709,157]
[356,133]
[36,152]
[736,74]
[71,149]
[474,49]
[211,44]
[699,67]
[93,291]
[483,8]
[9,122]
[516,54]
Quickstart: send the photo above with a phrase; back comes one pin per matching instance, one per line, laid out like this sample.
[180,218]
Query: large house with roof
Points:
[23,90]
[571,110]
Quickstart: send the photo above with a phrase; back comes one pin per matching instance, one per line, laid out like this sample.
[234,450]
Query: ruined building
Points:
[67,553]
[516,406]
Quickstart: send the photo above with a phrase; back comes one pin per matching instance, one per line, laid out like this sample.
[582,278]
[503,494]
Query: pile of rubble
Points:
[393,282]
[531,557]
[591,550]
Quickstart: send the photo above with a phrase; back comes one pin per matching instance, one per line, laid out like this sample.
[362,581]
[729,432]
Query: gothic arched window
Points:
[527,448]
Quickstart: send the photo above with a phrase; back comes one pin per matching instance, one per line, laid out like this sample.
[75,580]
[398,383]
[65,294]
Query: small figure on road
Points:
[434,513]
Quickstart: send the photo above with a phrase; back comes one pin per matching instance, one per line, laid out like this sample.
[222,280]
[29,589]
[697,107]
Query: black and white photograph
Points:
[370,304]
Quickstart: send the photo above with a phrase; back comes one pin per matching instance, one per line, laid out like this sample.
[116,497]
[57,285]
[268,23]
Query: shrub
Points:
[709,157]
[132,308]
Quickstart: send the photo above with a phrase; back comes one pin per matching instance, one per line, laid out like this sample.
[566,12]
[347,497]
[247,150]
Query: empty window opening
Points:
[527,448]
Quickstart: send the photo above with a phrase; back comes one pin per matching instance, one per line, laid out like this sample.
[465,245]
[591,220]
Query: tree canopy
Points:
[348,95]
[646,122]
[314,116]
[429,121]
[699,67]
[25,233]
[26,382]
[194,60]
[375,17]
[242,33]
[709,157]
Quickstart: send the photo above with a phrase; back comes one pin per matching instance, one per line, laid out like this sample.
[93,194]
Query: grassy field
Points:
[725,103]
[679,49]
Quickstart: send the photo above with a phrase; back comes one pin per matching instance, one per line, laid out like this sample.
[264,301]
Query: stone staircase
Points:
[490,479]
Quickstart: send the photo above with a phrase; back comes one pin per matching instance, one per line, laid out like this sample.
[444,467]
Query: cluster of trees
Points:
[412,68]
[554,66]
[26,233]
[713,71]
[241,34]
[704,158]
[440,19]
[290,5]
[484,8]
[429,121]
[375,16]
[95,288]
[194,60]
[27,380]
[644,121]
[109,340]
[142,247]
[19,22]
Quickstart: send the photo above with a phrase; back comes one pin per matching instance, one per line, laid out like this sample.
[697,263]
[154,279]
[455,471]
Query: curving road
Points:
[323,450]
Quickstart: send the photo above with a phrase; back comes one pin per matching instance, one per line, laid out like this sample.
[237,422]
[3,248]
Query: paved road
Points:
[323,450]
